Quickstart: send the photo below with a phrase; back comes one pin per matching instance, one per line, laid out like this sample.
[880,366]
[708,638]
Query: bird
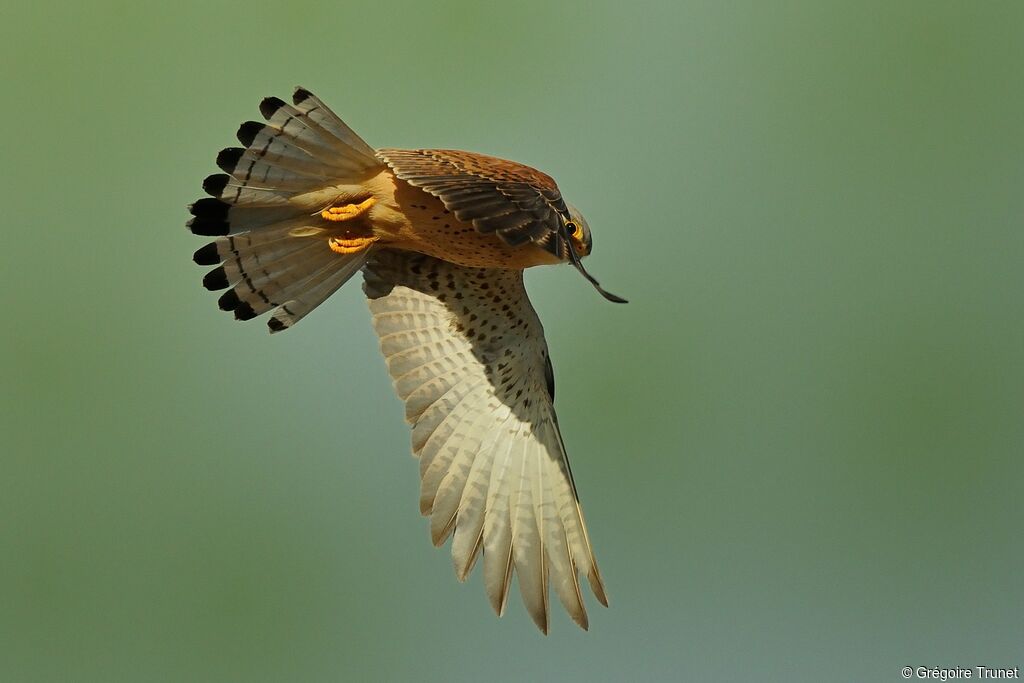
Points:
[442,238]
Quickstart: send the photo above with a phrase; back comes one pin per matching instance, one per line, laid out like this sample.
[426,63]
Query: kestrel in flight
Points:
[442,238]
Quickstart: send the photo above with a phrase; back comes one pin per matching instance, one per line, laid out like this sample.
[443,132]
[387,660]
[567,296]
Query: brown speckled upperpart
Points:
[408,217]
[516,202]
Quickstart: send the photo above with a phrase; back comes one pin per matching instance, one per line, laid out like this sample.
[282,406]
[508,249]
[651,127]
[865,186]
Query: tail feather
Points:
[309,135]
[252,166]
[249,299]
[315,293]
[272,249]
[234,248]
[273,281]
[223,187]
[214,217]
[315,110]
[270,260]
[275,146]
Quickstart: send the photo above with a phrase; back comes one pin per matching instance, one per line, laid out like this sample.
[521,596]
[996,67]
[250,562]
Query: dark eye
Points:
[574,229]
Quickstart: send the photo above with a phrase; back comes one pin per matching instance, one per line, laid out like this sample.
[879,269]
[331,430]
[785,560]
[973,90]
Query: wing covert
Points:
[518,203]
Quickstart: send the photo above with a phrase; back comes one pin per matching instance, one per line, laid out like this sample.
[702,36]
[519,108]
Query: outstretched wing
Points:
[518,203]
[467,354]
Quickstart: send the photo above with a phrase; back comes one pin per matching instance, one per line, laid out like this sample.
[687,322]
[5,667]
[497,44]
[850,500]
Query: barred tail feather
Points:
[317,291]
[271,250]
[316,111]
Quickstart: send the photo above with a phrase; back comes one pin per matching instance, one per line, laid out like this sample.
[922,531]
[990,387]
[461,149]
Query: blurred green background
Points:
[799,448]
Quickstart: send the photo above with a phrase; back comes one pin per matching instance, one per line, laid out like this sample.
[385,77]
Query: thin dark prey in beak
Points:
[590,278]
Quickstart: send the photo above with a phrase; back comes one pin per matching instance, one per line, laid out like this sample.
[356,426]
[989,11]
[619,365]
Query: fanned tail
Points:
[271,250]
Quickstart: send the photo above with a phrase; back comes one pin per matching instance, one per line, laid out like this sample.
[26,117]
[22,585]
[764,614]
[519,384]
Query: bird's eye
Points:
[574,229]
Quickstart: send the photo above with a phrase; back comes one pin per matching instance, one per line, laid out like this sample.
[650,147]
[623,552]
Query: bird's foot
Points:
[352,241]
[347,212]
[341,245]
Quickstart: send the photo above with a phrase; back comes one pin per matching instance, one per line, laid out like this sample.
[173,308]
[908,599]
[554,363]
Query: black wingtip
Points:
[228,158]
[216,279]
[248,131]
[228,301]
[244,312]
[207,255]
[276,325]
[269,106]
[214,184]
[300,95]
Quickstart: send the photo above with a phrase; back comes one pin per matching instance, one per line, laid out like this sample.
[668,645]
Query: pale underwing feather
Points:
[494,474]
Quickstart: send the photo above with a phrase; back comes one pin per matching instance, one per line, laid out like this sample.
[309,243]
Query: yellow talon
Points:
[347,212]
[350,246]
[349,243]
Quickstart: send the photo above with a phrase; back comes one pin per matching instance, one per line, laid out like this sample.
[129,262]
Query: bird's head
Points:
[579,232]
